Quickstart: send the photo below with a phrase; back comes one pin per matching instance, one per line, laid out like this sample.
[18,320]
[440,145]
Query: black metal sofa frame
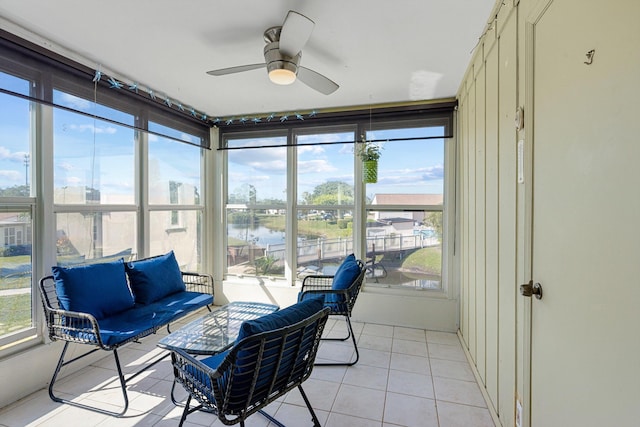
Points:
[83,328]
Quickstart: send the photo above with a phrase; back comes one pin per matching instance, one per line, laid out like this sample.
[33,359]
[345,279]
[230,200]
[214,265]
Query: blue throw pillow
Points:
[349,259]
[346,274]
[98,289]
[279,319]
[154,278]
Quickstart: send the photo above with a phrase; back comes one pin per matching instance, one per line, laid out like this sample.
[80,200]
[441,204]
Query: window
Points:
[93,171]
[396,224]
[404,223]
[325,199]
[16,206]
[176,205]
[121,178]
[256,205]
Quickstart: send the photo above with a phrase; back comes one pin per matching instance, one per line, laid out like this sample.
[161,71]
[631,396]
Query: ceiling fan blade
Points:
[238,69]
[295,33]
[317,81]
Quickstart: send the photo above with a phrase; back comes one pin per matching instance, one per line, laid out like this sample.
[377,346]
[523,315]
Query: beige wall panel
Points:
[464,222]
[471,155]
[480,225]
[507,219]
[491,225]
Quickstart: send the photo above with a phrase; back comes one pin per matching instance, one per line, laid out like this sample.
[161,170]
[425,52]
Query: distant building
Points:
[404,200]
[15,229]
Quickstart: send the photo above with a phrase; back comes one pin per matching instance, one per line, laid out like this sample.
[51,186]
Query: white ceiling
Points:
[378,51]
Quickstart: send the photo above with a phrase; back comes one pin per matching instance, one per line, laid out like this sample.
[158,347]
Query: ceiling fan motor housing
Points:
[275,60]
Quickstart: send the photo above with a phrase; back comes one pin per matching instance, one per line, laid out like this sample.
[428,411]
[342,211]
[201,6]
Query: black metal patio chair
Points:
[340,292]
[257,370]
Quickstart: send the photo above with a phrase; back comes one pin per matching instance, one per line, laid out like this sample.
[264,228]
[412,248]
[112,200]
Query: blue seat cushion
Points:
[246,364]
[350,258]
[344,277]
[281,318]
[346,273]
[146,318]
[154,278]
[98,289]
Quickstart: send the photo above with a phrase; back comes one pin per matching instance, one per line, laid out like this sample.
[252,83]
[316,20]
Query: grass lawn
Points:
[15,313]
[428,260]
[310,228]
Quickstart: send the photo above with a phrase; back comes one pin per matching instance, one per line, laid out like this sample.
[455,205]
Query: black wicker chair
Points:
[340,301]
[256,371]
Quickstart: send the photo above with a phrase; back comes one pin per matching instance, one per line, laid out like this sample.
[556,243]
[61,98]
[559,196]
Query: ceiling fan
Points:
[282,56]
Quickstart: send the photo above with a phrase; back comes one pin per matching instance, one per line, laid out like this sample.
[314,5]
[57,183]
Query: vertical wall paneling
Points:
[491,221]
[471,154]
[480,258]
[507,248]
[464,227]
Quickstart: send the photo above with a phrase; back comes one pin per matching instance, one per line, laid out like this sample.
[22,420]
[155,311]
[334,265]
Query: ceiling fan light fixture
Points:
[281,76]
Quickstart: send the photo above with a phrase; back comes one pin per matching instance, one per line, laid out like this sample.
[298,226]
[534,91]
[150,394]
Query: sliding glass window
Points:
[17,316]
[325,199]
[176,205]
[256,204]
[94,182]
[404,217]
[297,203]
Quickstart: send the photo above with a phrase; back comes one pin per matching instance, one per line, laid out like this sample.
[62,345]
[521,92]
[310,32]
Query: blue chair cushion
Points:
[350,258]
[279,319]
[98,289]
[214,361]
[154,278]
[146,318]
[346,273]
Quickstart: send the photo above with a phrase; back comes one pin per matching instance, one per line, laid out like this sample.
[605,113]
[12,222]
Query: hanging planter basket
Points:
[370,171]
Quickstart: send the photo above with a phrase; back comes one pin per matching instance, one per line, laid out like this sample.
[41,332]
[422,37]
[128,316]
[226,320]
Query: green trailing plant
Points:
[368,150]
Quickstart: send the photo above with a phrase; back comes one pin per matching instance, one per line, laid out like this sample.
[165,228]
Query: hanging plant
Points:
[369,152]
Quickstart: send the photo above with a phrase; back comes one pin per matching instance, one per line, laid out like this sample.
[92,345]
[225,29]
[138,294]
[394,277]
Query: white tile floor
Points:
[405,377]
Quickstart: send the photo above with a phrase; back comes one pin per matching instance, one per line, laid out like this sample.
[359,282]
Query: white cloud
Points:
[314,149]
[91,128]
[6,154]
[75,102]
[73,180]
[11,175]
[315,166]
[433,172]
[189,138]
[65,166]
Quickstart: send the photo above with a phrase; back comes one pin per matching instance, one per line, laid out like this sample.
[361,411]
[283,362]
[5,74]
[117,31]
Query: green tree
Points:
[330,193]
[15,191]
[434,220]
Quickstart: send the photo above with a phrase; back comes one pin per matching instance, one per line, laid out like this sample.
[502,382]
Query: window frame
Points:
[399,120]
[47,72]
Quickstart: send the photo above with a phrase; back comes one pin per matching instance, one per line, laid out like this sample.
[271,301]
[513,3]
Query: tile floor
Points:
[405,377]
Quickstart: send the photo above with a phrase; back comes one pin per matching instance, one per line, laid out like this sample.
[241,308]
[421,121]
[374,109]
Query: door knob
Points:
[531,288]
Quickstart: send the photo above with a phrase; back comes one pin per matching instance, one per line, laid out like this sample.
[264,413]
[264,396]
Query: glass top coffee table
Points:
[216,331]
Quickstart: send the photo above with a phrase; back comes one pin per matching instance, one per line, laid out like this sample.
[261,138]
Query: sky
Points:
[89,152]
[405,167]
[100,154]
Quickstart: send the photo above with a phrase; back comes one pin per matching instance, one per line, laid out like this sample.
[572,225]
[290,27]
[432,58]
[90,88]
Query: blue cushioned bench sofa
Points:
[108,305]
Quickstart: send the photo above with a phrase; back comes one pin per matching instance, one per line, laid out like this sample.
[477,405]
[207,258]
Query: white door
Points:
[585,331]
